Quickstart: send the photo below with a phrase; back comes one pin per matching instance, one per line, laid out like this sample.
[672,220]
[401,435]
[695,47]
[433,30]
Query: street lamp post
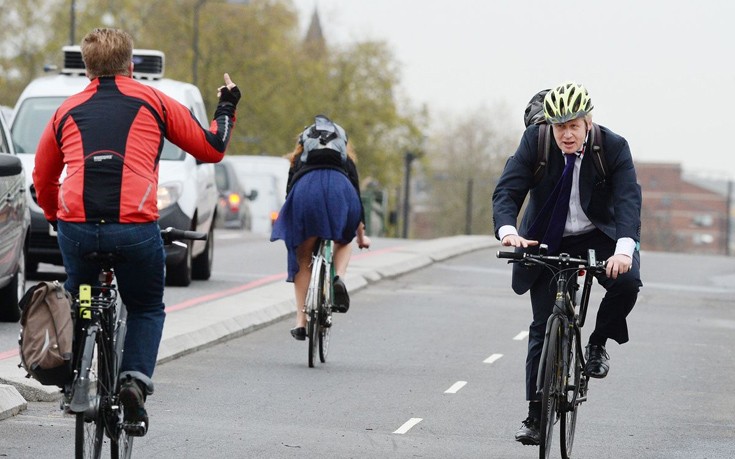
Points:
[408,158]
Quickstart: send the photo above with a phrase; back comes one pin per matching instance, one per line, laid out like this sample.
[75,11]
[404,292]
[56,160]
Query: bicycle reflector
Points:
[85,301]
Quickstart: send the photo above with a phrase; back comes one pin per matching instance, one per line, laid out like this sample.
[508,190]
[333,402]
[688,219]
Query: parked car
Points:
[233,208]
[15,220]
[267,175]
[187,195]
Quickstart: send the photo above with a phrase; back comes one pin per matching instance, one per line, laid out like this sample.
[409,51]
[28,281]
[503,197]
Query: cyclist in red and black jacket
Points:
[110,137]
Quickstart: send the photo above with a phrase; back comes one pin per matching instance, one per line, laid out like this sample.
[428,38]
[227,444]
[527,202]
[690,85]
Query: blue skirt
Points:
[323,203]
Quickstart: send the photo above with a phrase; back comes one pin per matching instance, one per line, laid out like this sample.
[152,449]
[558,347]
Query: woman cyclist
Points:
[322,202]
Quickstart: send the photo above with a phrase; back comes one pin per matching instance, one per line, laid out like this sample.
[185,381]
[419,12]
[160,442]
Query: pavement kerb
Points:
[194,328]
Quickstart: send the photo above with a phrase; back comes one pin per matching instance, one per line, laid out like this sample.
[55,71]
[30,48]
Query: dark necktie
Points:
[548,227]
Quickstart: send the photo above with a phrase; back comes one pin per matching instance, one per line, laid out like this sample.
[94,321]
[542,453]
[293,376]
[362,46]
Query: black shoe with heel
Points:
[341,298]
[299,333]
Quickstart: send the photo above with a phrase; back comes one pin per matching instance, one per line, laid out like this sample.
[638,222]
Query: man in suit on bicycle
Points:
[586,211]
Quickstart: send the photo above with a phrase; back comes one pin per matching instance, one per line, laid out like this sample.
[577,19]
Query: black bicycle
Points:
[319,299]
[99,336]
[561,379]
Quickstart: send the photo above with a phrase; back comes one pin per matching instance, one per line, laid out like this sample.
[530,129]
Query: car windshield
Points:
[220,177]
[33,115]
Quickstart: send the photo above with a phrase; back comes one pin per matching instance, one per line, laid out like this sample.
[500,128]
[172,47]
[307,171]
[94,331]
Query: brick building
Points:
[679,215]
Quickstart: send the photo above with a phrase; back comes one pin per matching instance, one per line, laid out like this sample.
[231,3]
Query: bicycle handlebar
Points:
[590,263]
[171,234]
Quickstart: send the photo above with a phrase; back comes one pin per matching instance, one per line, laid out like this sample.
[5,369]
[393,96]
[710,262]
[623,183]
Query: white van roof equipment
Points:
[149,63]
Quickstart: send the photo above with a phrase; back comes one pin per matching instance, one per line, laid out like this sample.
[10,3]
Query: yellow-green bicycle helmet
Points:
[566,102]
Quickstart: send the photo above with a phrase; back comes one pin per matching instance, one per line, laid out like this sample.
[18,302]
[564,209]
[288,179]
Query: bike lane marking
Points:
[492,358]
[10,353]
[407,425]
[259,282]
[520,336]
[455,387]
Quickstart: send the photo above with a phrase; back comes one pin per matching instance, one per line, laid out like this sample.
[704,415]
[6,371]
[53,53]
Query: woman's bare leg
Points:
[342,253]
[302,278]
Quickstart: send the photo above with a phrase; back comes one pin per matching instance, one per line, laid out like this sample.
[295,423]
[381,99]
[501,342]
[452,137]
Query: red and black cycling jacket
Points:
[110,137]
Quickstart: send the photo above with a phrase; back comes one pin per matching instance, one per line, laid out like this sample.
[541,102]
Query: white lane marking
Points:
[455,387]
[492,358]
[407,425]
[520,336]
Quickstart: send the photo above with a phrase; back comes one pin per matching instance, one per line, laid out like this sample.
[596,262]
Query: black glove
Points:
[231,96]
[54,224]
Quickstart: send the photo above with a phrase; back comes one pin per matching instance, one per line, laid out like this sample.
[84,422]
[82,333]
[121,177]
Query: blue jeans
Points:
[140,279]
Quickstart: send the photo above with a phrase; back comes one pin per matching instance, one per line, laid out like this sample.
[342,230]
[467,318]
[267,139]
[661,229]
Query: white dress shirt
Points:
[577,221]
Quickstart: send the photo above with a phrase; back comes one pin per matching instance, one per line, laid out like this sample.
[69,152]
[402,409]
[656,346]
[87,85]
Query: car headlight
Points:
[168,194]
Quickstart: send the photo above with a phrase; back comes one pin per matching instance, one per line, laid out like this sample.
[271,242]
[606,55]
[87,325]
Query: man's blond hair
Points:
[107,52]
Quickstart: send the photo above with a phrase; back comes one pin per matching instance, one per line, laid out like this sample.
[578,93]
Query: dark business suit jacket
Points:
[612,203]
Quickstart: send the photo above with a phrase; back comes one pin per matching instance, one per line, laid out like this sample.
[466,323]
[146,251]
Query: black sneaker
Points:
[530,432]
[132,398]
[341,298]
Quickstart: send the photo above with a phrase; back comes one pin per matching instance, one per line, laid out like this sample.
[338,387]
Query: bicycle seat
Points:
[108,258]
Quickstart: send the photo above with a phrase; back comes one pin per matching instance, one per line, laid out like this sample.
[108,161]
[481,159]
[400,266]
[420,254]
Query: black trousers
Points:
[620,297]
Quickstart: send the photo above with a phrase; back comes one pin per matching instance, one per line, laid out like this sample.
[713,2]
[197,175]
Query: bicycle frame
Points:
[100,328]
[564,310]
[560,380]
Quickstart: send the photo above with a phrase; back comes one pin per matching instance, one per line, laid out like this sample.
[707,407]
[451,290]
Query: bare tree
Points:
[466,158]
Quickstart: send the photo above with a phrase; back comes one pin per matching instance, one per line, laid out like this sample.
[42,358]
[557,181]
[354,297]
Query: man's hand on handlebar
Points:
[514,240]
[618,264]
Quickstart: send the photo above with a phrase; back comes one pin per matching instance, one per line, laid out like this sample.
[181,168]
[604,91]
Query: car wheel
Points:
[180,274]
[11,293]
[202,265]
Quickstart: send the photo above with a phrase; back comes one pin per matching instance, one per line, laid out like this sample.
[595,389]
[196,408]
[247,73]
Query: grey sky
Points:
[660,73]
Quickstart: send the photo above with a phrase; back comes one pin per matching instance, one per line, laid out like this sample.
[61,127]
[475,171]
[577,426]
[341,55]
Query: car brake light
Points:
[234,200]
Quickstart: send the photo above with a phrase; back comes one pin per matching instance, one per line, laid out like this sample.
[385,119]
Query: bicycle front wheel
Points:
[574,394]
[551,389]
[325,316]
[122,448]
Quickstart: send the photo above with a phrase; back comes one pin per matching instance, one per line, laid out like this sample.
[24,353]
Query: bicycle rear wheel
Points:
[90,391]
[551,389]
[121,444]
[574,394]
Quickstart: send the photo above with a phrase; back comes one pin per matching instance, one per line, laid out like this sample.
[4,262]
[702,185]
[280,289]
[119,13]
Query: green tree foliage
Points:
[285,81]
[26,37]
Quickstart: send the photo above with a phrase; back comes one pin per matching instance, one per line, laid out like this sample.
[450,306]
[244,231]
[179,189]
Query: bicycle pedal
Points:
[135,429]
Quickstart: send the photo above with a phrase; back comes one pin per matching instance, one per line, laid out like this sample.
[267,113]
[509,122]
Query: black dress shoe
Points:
[598,362]
[529,433]
[299,333]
